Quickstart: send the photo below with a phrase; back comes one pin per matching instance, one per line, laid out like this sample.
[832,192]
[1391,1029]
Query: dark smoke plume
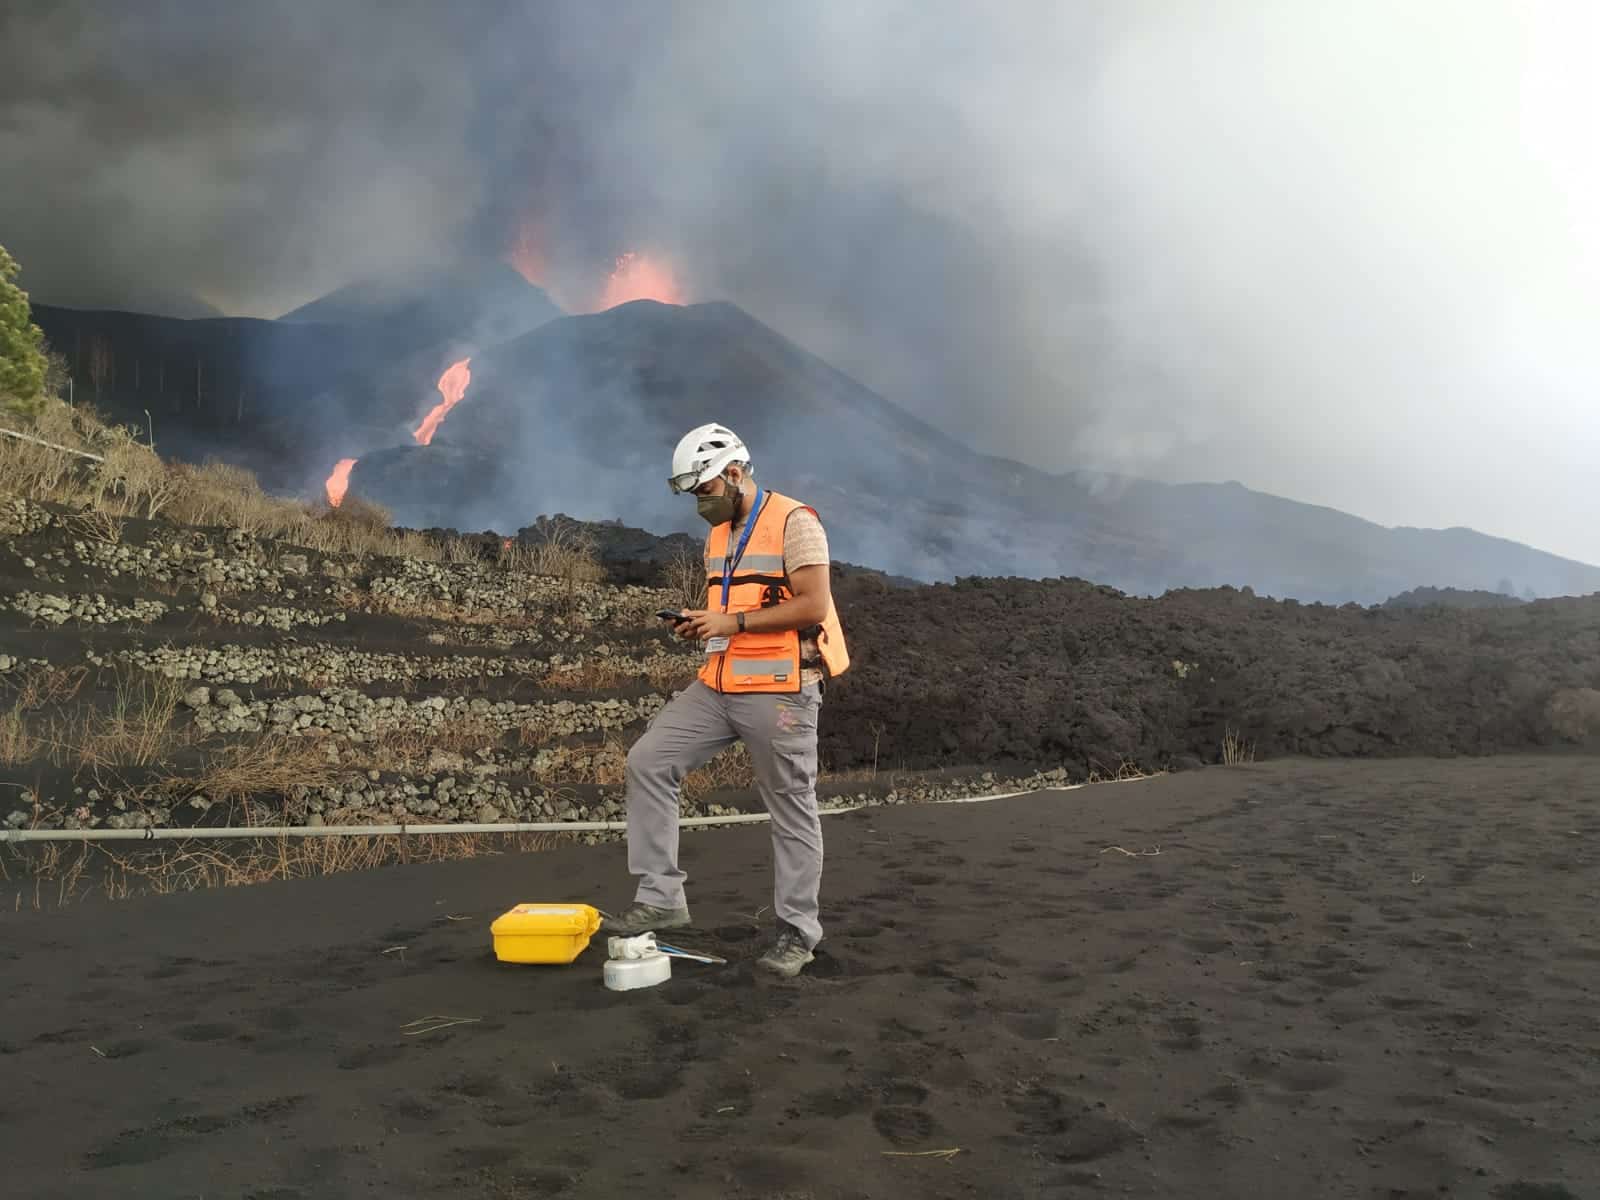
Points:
[1342,252]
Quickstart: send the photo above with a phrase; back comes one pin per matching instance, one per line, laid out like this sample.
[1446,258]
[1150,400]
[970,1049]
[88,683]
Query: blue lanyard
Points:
[731,561]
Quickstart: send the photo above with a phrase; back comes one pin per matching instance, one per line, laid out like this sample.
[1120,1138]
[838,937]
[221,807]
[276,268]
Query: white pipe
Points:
[311,831]
[27,437]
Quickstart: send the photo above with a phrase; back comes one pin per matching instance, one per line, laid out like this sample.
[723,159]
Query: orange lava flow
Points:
[339,482]
[639,277]
[452,386]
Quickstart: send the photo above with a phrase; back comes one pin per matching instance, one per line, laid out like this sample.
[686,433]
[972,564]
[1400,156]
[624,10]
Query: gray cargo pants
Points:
[780,731]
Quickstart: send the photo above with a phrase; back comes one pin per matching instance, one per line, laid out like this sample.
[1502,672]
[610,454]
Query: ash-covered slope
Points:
[580,415]
[481,303]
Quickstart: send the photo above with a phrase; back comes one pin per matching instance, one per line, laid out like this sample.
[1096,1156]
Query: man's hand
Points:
[699,624]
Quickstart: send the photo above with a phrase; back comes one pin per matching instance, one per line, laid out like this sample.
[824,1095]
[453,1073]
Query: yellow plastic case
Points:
[544,933]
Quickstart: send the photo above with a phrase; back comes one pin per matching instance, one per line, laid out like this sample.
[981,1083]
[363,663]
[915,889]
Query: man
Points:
[771,639]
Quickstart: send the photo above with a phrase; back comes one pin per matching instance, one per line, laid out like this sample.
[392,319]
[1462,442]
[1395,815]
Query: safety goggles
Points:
[688,480]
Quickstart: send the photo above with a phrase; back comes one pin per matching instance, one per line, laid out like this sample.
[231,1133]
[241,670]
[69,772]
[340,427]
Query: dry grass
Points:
[664,673]
[130,479]
[137,730]
[685,578]
[438,609]
[133,481]
[331,531]
[464,734]
[45,687]
[1235,750]
[265,766]
[533,734]
[408,751]
[730,769]
[58,871]
[41,472]
[558,551]
[1125,770]
[53,874]
[17,743]
[359,513]
[460,552]
[589,675]
[605,764]
[92,525]
[878,730]
[219,494]
[43,690]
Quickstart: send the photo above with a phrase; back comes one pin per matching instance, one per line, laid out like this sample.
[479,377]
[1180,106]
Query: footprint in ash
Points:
[902,1093]
[1185,1035]
[369,1056]
[901,1125]
[833,1102]
[648,1081]
[1292,1073]
[410,1114]
[893,1030]
[1068,1129]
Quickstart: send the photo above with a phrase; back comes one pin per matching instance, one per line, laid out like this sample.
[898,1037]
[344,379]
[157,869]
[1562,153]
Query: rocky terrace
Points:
[162,675]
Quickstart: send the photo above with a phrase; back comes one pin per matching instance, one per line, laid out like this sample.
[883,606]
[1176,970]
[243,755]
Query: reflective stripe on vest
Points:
[750,564]
[761,666]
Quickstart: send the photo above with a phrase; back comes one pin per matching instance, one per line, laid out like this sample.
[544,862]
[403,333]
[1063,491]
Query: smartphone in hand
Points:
[668,614]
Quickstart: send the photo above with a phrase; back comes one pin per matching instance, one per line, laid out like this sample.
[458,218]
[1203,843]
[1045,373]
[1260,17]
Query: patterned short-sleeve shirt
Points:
[805,544]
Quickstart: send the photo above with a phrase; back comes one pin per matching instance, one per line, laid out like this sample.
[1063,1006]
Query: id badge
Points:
[716,645]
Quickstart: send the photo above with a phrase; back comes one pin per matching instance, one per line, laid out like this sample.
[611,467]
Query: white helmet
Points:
[703,454]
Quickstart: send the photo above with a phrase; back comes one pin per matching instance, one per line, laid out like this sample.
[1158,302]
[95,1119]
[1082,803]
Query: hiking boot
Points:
[788,955]
[645,918]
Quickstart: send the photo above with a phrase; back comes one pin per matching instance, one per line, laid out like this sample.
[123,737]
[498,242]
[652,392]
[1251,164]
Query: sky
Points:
[1348,254]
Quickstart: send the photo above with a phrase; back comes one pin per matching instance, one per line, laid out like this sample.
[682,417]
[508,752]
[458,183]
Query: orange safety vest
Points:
[763,662]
